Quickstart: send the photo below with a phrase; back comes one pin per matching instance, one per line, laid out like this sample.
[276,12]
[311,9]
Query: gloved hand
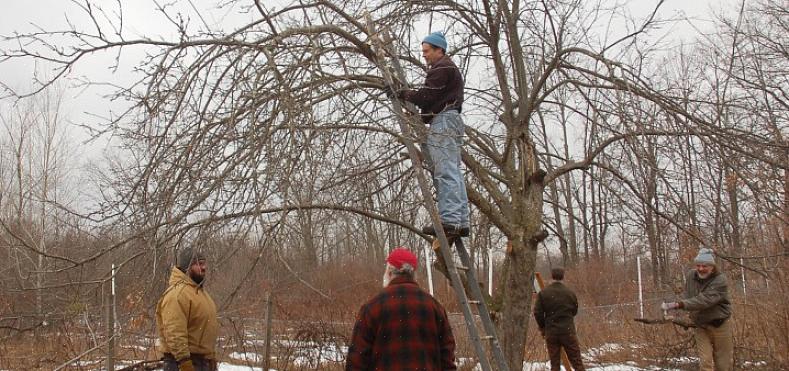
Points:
[186,365]
[672,305]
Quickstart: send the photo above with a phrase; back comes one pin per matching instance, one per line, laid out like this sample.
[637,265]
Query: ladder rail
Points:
[484,314]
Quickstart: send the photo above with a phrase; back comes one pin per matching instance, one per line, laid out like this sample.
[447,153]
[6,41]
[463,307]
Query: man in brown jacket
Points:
[441,102]
[554,310]
[186,317]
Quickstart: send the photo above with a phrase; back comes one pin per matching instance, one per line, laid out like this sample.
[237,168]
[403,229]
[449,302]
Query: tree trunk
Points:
[595,207]
[585,216]
[516,307]
[526,235]
[557,217]
[309,249]
[785,218]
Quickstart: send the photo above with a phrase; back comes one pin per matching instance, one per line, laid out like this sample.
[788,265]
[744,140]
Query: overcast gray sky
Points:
[141,18]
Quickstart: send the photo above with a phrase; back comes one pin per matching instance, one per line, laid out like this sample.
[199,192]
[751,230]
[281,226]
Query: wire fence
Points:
[79,340]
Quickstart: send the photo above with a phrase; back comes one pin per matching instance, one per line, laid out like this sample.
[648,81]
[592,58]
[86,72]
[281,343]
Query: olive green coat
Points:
[707,299]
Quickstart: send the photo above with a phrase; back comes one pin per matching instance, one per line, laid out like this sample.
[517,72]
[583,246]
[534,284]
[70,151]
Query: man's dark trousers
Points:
[569,342]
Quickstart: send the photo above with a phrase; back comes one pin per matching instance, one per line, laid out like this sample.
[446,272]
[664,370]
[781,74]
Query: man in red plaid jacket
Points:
[403,327]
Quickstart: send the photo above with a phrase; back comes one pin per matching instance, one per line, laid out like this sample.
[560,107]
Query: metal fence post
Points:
[267,350]
[111,323]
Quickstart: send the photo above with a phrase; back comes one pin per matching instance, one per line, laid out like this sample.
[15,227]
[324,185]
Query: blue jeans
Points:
[442,158]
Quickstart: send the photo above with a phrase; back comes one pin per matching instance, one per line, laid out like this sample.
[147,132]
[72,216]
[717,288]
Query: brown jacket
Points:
[555,308]
[443,90]
[186,318]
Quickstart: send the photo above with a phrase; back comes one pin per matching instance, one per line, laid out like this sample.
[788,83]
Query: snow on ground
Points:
[544,366]
[322,354]
[231,367]
[593,353]
[312,355]
[246,356]
[749,364]
[308,354]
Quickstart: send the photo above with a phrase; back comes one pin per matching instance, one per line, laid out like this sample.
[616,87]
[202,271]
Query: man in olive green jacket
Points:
[554,310]
[707,299]
[186,317]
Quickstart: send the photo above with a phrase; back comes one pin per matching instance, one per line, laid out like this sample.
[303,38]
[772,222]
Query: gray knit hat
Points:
[186,256]
[705,256]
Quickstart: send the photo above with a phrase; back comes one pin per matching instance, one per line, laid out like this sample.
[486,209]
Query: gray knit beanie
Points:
[705,256]
[186,256]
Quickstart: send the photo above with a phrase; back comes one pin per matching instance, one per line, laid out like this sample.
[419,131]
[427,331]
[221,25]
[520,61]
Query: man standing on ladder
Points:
[441,101]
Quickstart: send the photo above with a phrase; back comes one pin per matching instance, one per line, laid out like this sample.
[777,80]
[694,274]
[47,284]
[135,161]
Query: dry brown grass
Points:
[303,315]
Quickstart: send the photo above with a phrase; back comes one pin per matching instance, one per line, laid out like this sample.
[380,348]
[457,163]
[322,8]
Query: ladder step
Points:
[474,302]
[462,268]
[486,337]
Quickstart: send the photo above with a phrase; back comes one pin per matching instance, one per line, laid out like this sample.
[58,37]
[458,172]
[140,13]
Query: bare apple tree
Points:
[282,121]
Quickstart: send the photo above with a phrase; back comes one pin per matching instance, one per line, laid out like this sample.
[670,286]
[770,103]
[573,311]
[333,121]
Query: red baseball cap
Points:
[400,256]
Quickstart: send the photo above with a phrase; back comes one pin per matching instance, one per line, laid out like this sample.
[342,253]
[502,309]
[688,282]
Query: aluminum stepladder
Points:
[380,52]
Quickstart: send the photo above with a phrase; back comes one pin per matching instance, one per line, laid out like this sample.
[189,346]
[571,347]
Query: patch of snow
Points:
[463,361]
[88,362]
[603,349]
[684,360]
[536,366]
[545,366]
[246,356]
[748,364]
[619,367]
[137,347]
[320,354]
[232,367]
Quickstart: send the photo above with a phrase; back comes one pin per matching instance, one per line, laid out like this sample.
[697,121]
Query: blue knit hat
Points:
[436,39]
[706,256]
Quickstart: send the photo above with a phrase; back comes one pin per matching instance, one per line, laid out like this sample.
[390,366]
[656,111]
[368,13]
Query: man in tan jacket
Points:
[186,317]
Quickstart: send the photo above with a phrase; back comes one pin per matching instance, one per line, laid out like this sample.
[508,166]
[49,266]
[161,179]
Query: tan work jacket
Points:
[186,318]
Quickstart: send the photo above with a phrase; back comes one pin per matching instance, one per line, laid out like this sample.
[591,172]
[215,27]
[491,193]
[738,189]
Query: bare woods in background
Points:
[270,144]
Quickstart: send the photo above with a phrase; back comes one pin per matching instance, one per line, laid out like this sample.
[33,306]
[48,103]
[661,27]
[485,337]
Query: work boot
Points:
[450,230]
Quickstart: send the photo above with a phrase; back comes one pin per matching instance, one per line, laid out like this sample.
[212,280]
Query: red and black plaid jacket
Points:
[402,328]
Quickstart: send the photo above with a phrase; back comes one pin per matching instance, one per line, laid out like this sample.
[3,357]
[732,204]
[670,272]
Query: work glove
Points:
[672,305]
[186,365]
